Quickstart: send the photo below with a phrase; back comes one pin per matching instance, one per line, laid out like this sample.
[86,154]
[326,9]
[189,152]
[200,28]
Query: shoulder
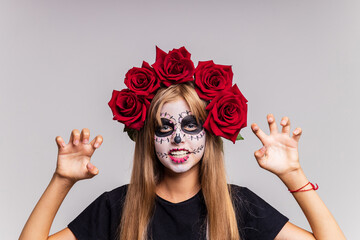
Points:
[257,218]
[101,218]
[113,199]
[116,196]
[118,192]
[240,192]
[245,199]
[110,199]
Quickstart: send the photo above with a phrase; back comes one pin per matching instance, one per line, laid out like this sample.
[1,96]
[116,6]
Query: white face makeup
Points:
[180,141]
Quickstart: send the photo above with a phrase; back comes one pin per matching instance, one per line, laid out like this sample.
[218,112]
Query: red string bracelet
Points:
[300,189]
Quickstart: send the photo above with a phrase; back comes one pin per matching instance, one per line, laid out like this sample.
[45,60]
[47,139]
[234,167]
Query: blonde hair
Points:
[148,171]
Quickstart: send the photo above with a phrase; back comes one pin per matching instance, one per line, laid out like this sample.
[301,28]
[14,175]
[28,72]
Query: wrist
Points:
[68,183]
[294,179]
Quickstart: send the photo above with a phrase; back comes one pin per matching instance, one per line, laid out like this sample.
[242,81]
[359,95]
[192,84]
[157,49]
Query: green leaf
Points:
[239,137]
[131,133]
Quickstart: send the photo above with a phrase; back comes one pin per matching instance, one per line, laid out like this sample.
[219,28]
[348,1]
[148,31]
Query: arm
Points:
[322,222]
[279,155]
[73,164]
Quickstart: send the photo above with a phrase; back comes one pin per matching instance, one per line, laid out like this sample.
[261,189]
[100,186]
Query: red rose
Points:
[212,78]
[174,67]
[142,81]
[129,108]
[227,114]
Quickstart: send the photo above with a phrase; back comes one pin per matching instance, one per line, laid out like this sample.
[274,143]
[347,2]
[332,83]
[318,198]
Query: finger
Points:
[272,124]
[285,122]
[96,142]
[92,169]
[297,134]
[259,133]
[75,137]
[260,154]
[60,142]
[85,135]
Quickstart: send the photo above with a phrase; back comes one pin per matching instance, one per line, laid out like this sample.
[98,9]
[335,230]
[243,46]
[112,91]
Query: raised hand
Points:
[73,162]
[279,153]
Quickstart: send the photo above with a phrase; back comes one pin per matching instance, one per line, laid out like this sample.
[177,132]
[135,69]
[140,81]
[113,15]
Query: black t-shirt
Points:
[178,221]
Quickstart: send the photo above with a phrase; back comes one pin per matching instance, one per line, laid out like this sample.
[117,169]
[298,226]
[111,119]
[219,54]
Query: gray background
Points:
[60,61]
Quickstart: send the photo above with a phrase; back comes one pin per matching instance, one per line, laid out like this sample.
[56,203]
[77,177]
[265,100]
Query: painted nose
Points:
[177,139]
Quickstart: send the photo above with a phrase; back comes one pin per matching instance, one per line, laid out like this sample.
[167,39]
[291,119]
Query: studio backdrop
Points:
[60,61]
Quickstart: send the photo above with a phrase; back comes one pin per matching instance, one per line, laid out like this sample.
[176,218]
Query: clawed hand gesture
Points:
[279,153]
[73,162]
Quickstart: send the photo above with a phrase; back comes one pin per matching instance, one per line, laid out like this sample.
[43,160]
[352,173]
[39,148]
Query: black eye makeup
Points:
[166,128]
[189,125]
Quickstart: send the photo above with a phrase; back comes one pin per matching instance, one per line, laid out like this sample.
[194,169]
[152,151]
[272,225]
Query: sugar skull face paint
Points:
[180,140]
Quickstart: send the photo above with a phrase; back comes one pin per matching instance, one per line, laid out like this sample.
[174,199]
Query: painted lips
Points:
[179,155]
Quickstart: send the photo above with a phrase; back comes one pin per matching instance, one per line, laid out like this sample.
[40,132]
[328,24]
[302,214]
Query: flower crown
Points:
[227,107]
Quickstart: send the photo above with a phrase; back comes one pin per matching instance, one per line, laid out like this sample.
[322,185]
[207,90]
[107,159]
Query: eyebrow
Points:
[166,121]
[166,115]
[189,119]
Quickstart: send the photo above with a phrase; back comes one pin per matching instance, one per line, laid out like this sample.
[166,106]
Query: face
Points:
[180,140]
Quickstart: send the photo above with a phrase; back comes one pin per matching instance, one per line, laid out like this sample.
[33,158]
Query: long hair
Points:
[147,172]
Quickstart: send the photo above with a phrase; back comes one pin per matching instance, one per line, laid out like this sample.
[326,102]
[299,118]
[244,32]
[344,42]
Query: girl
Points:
[178,187]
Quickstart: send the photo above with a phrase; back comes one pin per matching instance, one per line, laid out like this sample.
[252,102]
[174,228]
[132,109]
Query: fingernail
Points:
[85,141]
[90,166]
[283,122]
[76,142]
[63,144]
[262,149]
[296,131]
[270,119]
[96,145]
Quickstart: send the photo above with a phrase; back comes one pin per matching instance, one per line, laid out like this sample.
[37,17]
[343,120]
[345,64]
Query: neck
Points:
[178,187]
